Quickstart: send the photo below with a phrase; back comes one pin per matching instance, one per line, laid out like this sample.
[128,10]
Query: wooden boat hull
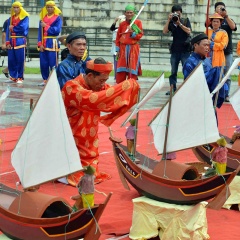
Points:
[70,226]
[204,152]
[164,189]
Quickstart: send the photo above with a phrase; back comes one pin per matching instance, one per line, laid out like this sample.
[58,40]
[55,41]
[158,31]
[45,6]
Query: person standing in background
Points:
[201,47]
[127,47]
[229,26]
[114,30]
[50,26]
[179,49]
[76,60]
[17,31]
[4,29]
[218,40]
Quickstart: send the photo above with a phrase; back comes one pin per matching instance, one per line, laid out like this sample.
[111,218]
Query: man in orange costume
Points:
[85,97]
[127,47]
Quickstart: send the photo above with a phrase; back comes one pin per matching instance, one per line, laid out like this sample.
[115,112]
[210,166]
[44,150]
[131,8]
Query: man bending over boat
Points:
[201,46]
[85,97]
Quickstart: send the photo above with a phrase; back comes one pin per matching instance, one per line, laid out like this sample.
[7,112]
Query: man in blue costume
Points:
[49,28]
[17,31]
[229,26]
[201,49]
[75,63]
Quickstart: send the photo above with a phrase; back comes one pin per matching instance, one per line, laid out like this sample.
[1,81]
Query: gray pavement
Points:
[17,106]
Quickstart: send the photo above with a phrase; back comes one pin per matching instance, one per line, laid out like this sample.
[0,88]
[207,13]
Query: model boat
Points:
[44,152]
[204,152]
[185,115]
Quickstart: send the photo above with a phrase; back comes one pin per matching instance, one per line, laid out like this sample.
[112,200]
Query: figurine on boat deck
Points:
[86,187]
[130,136]
[236,134]
[86,190]
[219,156]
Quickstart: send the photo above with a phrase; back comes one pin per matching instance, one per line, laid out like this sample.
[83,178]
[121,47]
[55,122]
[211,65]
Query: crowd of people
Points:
[82,80]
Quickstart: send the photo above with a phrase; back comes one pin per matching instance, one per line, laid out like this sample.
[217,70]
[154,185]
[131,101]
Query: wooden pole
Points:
[167,124]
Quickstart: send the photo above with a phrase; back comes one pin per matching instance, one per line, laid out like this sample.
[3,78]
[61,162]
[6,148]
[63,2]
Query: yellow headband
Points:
[43,12]
[22,13]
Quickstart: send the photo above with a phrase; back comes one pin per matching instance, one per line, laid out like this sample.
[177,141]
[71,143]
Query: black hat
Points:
[75,35]
[219,3]
[198,38]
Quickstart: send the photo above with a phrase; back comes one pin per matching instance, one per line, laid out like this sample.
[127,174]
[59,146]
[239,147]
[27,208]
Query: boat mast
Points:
[167,124]
[136,129]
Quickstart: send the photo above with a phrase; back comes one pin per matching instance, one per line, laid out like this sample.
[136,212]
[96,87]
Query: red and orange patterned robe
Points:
[83,107]
[129,50]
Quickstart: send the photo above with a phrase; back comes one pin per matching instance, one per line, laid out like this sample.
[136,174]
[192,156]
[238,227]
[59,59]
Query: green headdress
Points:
[132,121]
[89,170]
[130,7]
[222,142]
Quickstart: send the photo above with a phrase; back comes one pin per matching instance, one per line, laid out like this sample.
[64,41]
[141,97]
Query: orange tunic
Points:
[83,107]
[238,48]
[220,42]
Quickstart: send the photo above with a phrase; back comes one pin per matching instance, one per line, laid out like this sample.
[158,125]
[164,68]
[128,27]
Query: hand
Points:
[170,17]
[116,19]
[224,13]
[41,48]
[129,28]
[11,28]
[9,46]
[43,24]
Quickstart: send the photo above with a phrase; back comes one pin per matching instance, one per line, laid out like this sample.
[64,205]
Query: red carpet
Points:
[117,217]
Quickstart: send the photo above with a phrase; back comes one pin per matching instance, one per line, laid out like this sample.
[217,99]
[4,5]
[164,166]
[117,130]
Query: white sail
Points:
[226,77]
[46,149]
[192,117]
[3,98]
[235,101]
[156,87]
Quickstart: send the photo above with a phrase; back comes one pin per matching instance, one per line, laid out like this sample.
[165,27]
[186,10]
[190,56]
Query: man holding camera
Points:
[229,26]
[180,47]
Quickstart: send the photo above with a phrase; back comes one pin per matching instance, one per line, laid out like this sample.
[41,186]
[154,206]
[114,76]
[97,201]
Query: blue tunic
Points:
[70,68]
[16,55]
[211,74]
[48,37]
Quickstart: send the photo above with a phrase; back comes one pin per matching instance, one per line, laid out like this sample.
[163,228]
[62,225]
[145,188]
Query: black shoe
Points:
[168,93]
[6,74]
[227,99]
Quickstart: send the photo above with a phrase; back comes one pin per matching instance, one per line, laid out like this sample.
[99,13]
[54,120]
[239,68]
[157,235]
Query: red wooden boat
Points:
[204,152]
[45,152]
[34,215]
[180,184]
[186,120]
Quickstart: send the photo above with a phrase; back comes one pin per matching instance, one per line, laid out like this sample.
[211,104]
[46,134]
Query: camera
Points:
[175,17]
[223,9]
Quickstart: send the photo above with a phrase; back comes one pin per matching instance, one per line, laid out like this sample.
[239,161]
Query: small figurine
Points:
[86,187]
[219,156]
[130,136]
